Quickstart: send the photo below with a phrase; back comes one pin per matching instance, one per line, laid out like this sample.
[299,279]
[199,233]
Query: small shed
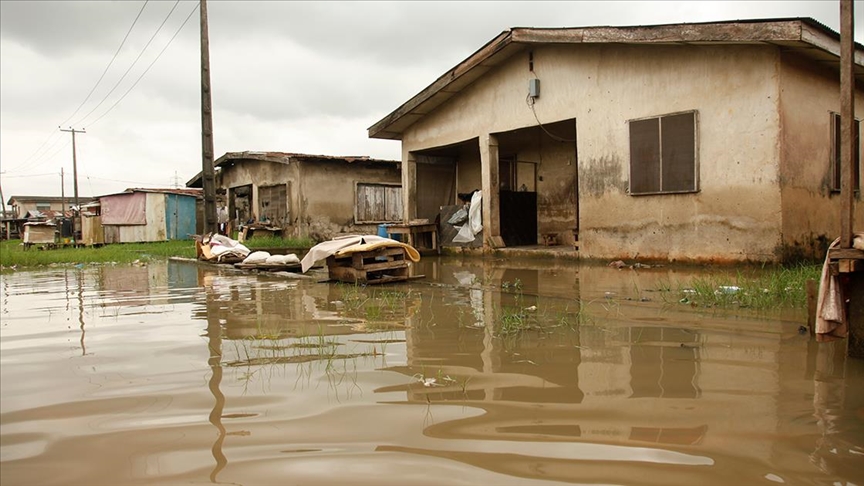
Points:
[39,233]
[91,224]
[143,215]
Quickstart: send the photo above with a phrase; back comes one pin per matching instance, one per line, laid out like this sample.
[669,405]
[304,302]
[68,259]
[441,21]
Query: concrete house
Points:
[704,142]
[316,196]
[141,215]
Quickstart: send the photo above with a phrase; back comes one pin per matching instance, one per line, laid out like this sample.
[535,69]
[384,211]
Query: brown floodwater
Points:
[483,372]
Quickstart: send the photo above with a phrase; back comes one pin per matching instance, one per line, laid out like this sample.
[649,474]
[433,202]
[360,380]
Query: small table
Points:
[415,229]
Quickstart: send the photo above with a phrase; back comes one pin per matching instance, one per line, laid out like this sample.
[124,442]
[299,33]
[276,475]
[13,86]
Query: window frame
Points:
[358,184]
[259,202]
[696,187]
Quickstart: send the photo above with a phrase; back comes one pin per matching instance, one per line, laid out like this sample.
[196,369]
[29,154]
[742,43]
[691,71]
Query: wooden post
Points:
[409,187]
[207,172]
[847,121]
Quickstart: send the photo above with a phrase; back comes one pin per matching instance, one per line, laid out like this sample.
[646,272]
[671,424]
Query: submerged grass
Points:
[13,254]
[760,289]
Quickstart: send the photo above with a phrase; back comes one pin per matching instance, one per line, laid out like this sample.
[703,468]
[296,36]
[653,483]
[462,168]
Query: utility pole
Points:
[207,171]
[3,202]
[62,192]
[847,121]
[75,179]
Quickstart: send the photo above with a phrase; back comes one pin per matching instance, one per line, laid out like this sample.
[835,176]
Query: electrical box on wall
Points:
[534,88]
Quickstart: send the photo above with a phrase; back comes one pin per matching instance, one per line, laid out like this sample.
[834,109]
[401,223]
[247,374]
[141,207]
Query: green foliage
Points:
[13,254]
[760,289]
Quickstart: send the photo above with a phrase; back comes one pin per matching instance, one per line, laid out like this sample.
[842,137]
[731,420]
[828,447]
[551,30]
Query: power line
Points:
[38,160]
[109,63]
[53,132]
[29,175]
[42,159]
[80,121]
[148,67]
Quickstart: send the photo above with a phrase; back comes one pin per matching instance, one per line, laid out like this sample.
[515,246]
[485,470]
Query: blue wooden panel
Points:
[179,216]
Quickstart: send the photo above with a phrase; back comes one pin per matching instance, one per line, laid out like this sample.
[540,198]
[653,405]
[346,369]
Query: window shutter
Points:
[679,154]
[645,156]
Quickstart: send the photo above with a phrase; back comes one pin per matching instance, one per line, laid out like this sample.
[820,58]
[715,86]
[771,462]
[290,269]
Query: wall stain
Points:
[601,175]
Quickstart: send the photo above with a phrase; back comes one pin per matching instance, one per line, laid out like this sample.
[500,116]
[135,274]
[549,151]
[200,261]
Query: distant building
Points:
[712,141]
[40,206]
[318,196]
[23,209]
[144,215]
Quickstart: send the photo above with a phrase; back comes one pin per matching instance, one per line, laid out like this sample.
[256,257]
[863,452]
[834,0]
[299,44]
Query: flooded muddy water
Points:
[483,372]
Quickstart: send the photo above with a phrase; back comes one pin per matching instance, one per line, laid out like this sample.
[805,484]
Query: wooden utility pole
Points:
[847,121]
[207,171]
[3,202]
[63,192]
[77,209]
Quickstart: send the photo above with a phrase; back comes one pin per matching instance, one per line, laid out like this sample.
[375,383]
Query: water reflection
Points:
[495,372]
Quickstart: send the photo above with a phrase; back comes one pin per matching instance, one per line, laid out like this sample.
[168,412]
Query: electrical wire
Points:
[148,67]
[54,132]
[139,183]
[530,101]
[29,175]
[48,158]
[41,158]
[81,120]
[109,64]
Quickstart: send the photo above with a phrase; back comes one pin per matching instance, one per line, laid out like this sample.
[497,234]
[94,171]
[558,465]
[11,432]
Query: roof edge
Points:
[794,29]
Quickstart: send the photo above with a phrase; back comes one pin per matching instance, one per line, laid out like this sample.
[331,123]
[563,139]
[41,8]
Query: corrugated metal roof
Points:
[179,191]
[285,158]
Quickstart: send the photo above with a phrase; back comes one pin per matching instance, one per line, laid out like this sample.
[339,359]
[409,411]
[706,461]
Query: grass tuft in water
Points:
[759,289]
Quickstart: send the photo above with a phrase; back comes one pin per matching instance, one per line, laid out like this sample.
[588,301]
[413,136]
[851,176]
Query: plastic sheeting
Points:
[124,209]
[475,221]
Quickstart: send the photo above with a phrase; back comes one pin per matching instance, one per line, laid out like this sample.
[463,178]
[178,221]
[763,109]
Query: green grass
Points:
[13,254]
[760,289]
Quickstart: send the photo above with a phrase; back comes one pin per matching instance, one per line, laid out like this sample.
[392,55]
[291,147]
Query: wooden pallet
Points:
[270,267]
[369,267]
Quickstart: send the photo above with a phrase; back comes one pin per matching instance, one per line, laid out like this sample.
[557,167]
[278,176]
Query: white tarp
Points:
[474,225]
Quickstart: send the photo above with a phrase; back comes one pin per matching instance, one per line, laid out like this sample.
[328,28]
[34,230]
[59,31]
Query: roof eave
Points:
[796,32]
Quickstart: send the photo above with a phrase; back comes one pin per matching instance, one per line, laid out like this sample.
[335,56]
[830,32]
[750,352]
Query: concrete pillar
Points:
[409,187]
[490,187]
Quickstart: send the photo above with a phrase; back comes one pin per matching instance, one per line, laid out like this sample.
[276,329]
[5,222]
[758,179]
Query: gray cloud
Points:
[293,76]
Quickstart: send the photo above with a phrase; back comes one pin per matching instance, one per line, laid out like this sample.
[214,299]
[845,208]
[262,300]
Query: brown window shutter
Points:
[679,154]
[645,156]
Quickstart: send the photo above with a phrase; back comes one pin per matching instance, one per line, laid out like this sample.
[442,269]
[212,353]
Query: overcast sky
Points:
[307,77]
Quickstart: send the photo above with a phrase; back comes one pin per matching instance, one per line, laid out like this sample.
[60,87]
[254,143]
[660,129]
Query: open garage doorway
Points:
[538,185]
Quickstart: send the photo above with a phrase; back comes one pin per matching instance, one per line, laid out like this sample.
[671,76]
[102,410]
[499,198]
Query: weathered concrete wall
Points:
[468,174]
[811,212]
[733,89]
[328,196]
[321,193]
[261,173]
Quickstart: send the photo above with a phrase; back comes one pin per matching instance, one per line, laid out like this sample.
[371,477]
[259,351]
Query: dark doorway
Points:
[518,218]
[240,204]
